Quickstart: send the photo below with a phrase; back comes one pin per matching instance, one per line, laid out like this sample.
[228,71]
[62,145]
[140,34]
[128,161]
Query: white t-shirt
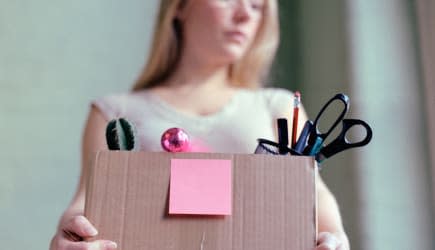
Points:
[251,114]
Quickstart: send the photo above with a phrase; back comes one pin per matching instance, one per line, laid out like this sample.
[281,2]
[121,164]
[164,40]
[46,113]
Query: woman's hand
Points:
[70,236]
[330,241]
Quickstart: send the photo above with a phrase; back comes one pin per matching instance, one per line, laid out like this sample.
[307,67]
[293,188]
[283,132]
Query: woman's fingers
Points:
[94,245]
[328,241]
[72,234]
[79,226]
[61,243]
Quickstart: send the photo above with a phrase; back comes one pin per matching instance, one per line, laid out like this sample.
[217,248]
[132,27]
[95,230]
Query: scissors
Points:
[341,143]
[316,138]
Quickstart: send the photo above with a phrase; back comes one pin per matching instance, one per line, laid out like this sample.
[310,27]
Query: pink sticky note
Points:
[200,186]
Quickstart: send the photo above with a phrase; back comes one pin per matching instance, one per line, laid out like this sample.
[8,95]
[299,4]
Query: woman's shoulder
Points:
[277,99]
[116,104]
[274,99]
[273,95]
[270,93]
[118,97]
[276,92]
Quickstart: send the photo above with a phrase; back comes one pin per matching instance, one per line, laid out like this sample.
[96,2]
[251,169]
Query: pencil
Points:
[297,101]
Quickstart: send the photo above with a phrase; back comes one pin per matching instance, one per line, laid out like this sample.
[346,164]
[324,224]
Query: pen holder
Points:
[269,147]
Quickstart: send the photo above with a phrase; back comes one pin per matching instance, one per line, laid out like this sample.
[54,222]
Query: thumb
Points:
[102,245]
[80,226]
[327,241]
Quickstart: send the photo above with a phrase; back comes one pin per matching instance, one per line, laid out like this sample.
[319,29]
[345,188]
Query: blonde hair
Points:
[247,72]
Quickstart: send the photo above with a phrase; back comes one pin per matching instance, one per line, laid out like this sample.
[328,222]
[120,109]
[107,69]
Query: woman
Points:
[207,61]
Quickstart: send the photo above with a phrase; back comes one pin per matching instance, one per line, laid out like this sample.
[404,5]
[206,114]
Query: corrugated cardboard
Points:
[274,203]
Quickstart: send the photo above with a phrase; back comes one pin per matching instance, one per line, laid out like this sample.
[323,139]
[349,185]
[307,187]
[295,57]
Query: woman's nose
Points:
[242,11]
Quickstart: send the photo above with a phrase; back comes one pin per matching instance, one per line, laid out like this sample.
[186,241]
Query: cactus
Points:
[120,134]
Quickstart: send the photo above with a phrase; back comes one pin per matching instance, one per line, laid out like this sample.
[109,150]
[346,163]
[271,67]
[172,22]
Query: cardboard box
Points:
[273,203]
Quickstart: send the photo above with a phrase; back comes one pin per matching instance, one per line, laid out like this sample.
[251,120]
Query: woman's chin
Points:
[230,56]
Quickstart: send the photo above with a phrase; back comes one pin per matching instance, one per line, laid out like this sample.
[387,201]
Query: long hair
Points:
[249,71]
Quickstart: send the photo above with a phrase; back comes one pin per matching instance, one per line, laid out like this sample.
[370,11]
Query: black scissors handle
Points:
[316,138]
[315,132]
[341,143]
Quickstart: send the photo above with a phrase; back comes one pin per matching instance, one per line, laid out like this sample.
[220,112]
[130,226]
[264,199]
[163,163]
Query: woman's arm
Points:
[330,227]
[73,226]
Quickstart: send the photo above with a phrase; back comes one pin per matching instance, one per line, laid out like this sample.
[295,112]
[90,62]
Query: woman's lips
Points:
[236,36]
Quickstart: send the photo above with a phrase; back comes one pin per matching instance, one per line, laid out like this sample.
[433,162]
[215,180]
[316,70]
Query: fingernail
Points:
[331,245]
[110,245]
[91,231]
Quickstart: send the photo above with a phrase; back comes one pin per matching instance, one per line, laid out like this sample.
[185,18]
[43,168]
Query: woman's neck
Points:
[190,87]
[196,75]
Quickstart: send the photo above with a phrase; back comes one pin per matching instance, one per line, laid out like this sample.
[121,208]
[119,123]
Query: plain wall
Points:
[56,56]
[370,51]
[394,172]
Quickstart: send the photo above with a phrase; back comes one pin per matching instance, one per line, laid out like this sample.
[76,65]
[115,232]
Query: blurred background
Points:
[56,56]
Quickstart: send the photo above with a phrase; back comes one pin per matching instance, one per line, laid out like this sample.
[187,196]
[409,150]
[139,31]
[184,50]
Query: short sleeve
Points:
[111,106]
[279,101]
[280,104]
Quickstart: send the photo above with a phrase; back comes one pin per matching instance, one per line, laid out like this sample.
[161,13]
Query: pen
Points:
[302,141]
[297,101]
[282,135]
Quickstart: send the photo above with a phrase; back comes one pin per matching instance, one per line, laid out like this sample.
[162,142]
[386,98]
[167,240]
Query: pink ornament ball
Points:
[175,140]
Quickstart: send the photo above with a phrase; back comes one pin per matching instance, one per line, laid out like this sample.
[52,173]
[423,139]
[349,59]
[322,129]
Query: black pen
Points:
[282,135]
[302,141]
